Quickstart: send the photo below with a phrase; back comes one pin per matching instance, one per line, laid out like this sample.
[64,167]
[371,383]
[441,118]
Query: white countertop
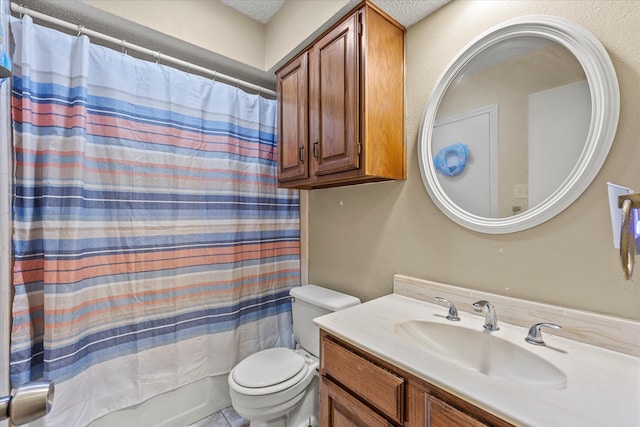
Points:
[603,386]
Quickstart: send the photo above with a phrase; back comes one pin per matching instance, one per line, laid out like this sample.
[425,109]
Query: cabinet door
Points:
[334,99]
[373,384]
[338,408]
[293,89]
[440,414]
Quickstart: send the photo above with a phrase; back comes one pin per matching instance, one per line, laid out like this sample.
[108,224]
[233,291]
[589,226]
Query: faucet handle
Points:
[479,305]
[535,336]
[453,312]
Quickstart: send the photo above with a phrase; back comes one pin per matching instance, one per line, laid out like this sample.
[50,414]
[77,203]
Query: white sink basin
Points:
[482,352]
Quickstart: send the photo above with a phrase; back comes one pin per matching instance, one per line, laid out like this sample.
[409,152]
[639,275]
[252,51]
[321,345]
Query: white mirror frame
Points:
[605,109]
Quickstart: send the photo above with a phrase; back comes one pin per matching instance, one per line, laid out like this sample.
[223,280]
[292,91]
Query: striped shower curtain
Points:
[152,247]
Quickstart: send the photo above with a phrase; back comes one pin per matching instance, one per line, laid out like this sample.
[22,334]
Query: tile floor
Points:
[225,418]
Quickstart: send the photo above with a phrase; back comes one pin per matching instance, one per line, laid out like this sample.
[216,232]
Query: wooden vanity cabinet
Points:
[359,389]
[341,105]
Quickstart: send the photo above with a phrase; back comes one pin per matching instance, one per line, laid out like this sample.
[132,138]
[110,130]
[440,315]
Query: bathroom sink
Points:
[482,352]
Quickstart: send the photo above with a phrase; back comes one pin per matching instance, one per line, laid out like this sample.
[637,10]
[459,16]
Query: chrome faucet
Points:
[453,312]
[490,317]
[535,336]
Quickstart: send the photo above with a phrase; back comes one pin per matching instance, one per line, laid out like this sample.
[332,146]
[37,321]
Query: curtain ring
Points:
[188,67]
[237,82]
[157,56]
[124,50]
[627,240]
[80,27]
[215,74]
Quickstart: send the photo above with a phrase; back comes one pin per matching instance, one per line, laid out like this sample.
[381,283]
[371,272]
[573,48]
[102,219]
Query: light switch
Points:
[521,191]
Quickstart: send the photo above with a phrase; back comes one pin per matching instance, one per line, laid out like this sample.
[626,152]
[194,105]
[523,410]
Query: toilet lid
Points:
[268,367]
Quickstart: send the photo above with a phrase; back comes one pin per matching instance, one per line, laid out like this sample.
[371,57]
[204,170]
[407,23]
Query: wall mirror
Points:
[518,124]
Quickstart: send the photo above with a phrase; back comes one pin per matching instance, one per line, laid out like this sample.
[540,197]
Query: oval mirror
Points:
[518,124]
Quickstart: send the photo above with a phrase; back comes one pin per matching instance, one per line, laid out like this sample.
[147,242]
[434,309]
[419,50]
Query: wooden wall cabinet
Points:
[358,389]
[341,105]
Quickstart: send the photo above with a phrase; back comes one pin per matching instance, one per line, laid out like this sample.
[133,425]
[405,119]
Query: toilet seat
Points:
[269,371]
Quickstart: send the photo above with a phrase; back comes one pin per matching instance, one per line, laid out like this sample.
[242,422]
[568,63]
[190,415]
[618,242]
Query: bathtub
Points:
[180,407]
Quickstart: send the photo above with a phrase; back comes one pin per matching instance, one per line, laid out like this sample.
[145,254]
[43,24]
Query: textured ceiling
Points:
[260,10]
[406,12]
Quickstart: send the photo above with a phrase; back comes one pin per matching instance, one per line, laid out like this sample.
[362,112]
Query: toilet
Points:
[278,387]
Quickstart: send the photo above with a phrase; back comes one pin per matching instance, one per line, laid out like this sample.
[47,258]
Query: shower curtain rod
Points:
[126,45]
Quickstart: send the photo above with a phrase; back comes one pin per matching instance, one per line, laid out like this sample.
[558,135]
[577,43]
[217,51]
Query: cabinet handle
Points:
[315,149]
[302,154]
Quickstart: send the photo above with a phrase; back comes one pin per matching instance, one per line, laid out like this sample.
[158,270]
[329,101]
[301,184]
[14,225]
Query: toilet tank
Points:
[309,302]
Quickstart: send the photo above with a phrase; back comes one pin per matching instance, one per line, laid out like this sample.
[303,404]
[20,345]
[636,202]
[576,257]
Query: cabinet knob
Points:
[315,149]
[301,152]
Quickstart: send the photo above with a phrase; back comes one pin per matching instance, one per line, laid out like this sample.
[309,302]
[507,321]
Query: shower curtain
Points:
[152,247]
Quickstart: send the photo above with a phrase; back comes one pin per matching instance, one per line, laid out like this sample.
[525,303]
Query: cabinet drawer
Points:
[440,414]
[382,389]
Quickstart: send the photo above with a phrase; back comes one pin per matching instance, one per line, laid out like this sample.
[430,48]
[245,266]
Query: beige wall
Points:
[294,23]
[207,24]
[360,236]
[214,26]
